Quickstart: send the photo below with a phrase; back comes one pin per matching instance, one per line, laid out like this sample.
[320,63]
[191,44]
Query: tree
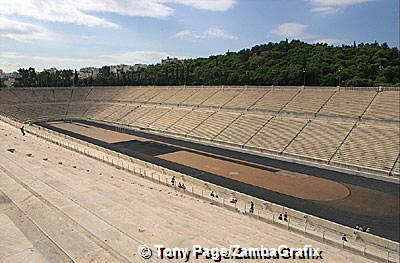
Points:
[76,78]
[267,64]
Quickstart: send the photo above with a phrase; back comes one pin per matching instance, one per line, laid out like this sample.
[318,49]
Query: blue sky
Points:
[78,33]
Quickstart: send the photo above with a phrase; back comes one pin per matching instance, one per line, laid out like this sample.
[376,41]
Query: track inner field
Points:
[312,190]
[284,182]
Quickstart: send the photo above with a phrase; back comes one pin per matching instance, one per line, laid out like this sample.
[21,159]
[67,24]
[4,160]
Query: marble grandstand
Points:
[347,128]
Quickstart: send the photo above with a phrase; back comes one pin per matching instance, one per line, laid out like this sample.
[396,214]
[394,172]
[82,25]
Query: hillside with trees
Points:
[284,63]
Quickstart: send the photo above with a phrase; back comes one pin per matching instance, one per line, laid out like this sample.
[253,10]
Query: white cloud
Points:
[81,11]
[325,10]
[11,61]
[212,32]
[333,6]
[213,5]
[338,2]
[300,31]
[21,31]
[292,30]
[218,33]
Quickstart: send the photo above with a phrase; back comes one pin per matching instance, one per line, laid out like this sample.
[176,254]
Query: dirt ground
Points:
[345,197]
[94,132]
[305,187]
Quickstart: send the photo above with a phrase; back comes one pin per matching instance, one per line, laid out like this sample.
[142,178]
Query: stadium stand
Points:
[121,111]
[386,106]
[201,96]
[221,97]
[277,134]
[319,139]
[31,112]
[348,103]
[7,96]
[77,110]
[150,92]
[103,94]
[276,99]
[168,119]
[136,112]
[12,110]
[44,95]
[94,110]
[130,94]
[79,94]
[164,94]
[189,122]
[247,98]
[25,95]
[107,111]
[182,95]
[376,147]
[151,116]
[213,125]
[242,129]
[309,101]
[351,128]
[61,94]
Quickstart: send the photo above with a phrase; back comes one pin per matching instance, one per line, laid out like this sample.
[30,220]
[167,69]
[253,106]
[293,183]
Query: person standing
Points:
[22,130]
[173,181]
[251,207]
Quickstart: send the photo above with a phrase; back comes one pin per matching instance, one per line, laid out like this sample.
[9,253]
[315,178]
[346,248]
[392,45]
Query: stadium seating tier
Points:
[354,127]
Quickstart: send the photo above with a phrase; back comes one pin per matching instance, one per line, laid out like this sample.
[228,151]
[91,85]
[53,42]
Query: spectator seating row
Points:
[369,104]
[371,146]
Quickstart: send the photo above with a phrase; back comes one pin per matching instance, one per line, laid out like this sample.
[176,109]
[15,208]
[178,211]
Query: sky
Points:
[71,34]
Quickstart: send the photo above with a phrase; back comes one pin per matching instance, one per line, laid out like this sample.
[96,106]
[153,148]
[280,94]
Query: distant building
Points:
[8,78]
[169,60]
[119,68]
[115,69]
[90,72]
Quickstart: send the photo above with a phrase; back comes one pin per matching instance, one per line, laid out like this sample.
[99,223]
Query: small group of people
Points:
[283,217]
[212,194]
[180,185]
[363,228]
[233,200]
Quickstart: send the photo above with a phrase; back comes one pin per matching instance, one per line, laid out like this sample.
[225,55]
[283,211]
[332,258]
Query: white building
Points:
[88,72]
[8,78]
[119,68]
